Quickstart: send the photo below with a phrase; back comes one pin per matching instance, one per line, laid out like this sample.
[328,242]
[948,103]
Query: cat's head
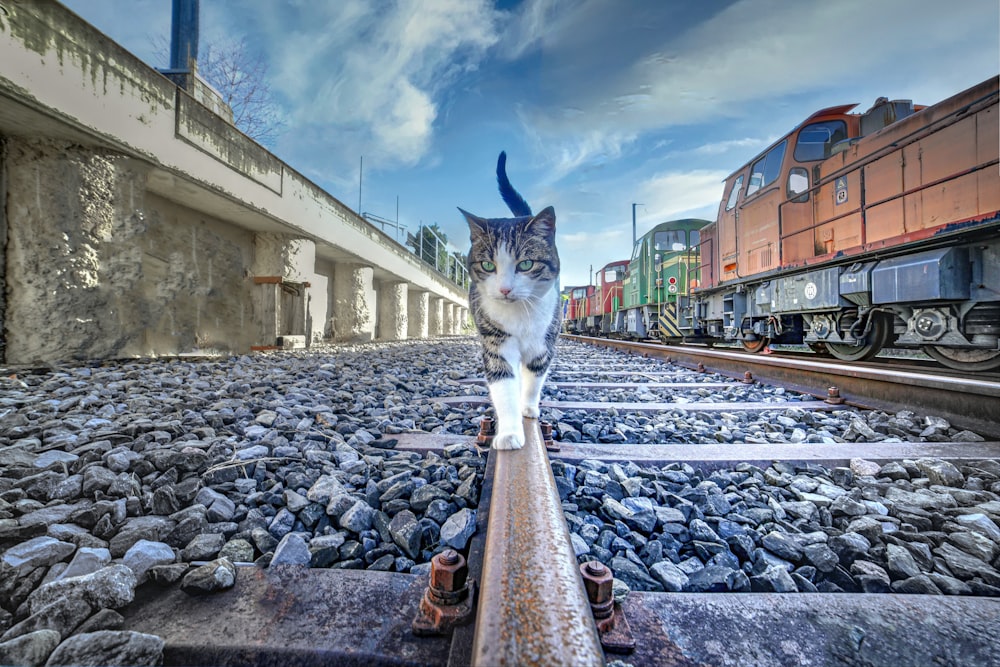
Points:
[513,259]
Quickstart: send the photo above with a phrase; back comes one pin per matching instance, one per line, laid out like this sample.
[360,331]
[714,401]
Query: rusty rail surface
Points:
[965,402]
[533,609]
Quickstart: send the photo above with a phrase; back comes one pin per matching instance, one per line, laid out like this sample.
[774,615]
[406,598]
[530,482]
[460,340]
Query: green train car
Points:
[664,268]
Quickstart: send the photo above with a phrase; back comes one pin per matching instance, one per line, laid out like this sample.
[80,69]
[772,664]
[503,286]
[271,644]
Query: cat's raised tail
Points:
[515,202]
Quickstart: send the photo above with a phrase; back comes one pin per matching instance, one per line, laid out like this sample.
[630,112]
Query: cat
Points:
[514,298]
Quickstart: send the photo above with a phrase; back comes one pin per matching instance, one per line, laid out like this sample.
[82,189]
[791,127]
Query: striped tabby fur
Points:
[514,297]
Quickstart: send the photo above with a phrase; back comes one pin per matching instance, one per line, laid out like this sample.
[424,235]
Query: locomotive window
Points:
[734,194]
[579,293]
[612,275]
[766,169]
[798,183]
[694,238]
[672,240]
[817,139]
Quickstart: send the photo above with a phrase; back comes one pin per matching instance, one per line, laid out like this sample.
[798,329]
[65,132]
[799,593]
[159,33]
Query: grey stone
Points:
[325,488]
[358,518]
[459,527]
[237,550]
[37,552]
[406,533]
[981,524]
[291,550]
[941,472]
[110,587]
[671,577]
[634,575]
[204,547]
[145,554]
[63,615]
[108,647]
[30,649]
[217,575]
[774,579]
[85,561]
[900,562]
[782,545]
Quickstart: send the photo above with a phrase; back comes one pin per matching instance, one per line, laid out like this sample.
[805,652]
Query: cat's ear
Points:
[477,225]
[544,223]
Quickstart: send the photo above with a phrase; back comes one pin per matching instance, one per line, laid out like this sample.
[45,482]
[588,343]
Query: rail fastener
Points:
[487,429]
[612,626]
[448,599]
[550,444]
[833,396]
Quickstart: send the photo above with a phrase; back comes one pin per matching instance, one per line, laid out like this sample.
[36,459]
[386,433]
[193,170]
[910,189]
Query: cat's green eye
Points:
[489,267]
[525,265]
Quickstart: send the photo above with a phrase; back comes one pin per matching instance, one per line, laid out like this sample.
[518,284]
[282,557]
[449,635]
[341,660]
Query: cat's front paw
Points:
[508,440]
[531,412]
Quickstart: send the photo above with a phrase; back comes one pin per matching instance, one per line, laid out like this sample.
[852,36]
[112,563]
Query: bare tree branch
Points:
[240,75]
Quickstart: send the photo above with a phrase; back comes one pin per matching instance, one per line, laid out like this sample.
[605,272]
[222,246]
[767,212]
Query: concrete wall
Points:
[137,219]
[98,267]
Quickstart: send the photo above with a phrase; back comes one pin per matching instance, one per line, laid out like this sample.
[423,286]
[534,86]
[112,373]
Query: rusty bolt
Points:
[448,571]
[487,430]
[748,378]
[701,367]
[833,396]
[597,580]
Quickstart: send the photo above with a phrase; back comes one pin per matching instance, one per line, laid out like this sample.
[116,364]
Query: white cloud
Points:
[680,194]
[368,79]
[749,54]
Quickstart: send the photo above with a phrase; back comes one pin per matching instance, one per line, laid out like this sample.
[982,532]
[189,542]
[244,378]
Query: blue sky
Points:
[599,103]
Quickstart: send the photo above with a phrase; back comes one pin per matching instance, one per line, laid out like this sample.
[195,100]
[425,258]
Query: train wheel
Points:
[963,359]
[881,330]
[755,346]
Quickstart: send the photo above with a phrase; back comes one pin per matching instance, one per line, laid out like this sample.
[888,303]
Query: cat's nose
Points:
[505,290]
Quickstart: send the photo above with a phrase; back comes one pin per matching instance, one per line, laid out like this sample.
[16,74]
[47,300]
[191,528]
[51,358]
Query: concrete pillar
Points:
[463,320]
[435,320]
[354,303]
[392,311]
[416,314]
[448,324]
[283,270]
[456,321]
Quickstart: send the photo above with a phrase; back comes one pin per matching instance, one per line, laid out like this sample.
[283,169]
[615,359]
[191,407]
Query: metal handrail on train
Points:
[533,608]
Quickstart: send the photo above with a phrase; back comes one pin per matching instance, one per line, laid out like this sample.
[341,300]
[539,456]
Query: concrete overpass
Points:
[134,220]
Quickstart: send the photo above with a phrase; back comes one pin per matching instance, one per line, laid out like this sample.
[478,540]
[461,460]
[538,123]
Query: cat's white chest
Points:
[525,320]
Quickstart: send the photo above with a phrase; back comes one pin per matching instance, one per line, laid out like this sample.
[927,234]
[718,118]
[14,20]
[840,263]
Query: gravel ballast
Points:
[170,472]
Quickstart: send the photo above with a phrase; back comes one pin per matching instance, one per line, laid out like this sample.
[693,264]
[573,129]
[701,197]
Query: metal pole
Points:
[533,608]
[184,34]
[361,173]
[634,239]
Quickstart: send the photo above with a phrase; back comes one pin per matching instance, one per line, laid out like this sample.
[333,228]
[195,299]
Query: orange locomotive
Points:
[856,232]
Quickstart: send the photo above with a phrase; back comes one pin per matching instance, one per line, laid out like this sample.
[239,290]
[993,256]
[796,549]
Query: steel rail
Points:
[533,609]
[968,403]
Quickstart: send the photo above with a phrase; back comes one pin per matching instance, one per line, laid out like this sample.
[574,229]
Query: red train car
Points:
[577,305]
[606,299]
[855,232]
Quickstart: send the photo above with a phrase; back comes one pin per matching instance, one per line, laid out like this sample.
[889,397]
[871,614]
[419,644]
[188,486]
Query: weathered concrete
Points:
[97,267]
[392,311]
[354,303]
[435,317]
[447,319]
[417,314]
[284,282]
[128,137]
